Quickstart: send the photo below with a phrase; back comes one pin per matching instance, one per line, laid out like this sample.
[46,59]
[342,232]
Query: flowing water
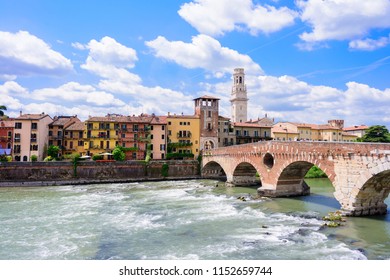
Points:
[193,219]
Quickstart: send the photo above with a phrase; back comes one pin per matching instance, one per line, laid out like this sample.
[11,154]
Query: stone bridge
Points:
[359,172]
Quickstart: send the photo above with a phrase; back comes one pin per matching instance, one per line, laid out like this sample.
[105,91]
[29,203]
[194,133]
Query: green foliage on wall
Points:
[315,172]
[164,170]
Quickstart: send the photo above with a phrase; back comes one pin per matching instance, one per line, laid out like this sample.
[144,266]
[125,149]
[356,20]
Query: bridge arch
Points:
[246,174]
[291,179]
[371,193]
[213,170]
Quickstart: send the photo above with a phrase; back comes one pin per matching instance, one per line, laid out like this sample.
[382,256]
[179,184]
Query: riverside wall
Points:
[16,174]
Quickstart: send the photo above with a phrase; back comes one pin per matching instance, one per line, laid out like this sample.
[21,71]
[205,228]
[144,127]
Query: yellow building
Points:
[74,139]
[332,131]
[100,135]
[183,135]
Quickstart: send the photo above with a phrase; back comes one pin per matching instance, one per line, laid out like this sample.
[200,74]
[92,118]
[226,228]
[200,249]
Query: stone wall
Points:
[56,173]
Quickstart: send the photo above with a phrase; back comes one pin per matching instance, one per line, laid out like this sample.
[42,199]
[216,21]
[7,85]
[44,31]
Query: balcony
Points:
[187,134]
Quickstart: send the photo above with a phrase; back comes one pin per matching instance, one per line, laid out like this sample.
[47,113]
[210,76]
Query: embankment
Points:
[87,172]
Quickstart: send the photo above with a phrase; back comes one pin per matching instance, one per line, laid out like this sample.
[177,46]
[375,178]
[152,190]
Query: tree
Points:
[376,133]
[53,151]
[2,109]
[118,154]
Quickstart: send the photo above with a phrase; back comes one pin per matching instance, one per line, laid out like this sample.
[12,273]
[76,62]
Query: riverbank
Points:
[25,174]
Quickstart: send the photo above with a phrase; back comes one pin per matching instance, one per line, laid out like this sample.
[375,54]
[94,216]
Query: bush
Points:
[53,151]
[34,158]
[97,157]
[179,155]
[48,158]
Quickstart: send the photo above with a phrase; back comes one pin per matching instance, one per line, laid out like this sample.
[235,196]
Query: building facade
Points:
[183,135]
[57,128]
[31,136]
[74,139]
[158,130]
[251,132]
[226,135]
[6,137]
[332,131]
[358,130]
[100,135]
[238,98]
[207,108]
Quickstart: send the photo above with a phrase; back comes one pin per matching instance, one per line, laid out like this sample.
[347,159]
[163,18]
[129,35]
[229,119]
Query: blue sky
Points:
[305,60]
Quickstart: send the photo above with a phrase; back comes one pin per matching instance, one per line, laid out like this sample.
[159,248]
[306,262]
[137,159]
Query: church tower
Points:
[239,98]
[207,108]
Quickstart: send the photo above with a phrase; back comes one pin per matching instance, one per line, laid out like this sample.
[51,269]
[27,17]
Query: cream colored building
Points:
[158,132]
[31,136]
[358,130]
[332,131]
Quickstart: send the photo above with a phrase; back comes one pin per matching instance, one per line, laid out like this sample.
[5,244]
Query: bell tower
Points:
[238,98]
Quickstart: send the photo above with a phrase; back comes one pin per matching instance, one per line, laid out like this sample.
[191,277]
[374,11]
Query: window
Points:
[162,147]
[34,126]
[17,137]
[181,123]
[80,143]
[151,127]
[162,136]
[135,127]
[163,127]
[18,125]
[209,114]
[169,123]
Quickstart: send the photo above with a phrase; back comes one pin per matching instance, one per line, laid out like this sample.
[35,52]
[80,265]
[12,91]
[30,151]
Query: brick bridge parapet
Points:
[359,172]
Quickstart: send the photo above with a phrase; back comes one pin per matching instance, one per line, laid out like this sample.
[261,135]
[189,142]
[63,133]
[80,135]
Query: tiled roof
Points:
[183,116]
[61,120]
[159,120]
[356,127]
[32,116]
[206,97]
[76,126]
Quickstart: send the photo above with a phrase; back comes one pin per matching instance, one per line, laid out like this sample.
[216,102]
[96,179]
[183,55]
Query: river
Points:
[194,219]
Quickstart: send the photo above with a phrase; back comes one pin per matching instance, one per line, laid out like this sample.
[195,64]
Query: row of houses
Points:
[170,136]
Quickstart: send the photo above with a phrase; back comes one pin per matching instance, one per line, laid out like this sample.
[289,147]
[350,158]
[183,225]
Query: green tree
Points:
[53,151]
[376,133]
[118,154]
[2,109]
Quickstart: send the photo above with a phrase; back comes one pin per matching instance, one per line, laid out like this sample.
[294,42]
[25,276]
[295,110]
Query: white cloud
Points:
[110,60]
[7,90]
[24,54]
[204,52]
[74,92]
[217,17]
[342,19]
[369,44]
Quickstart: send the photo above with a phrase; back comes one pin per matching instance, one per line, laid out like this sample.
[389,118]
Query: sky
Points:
[306,61]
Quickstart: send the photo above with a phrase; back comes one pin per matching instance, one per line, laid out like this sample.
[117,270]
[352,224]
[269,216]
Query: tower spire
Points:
[238,99]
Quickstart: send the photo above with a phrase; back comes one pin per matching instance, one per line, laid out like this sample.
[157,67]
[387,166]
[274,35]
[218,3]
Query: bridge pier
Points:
[366,210]
[285,189]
